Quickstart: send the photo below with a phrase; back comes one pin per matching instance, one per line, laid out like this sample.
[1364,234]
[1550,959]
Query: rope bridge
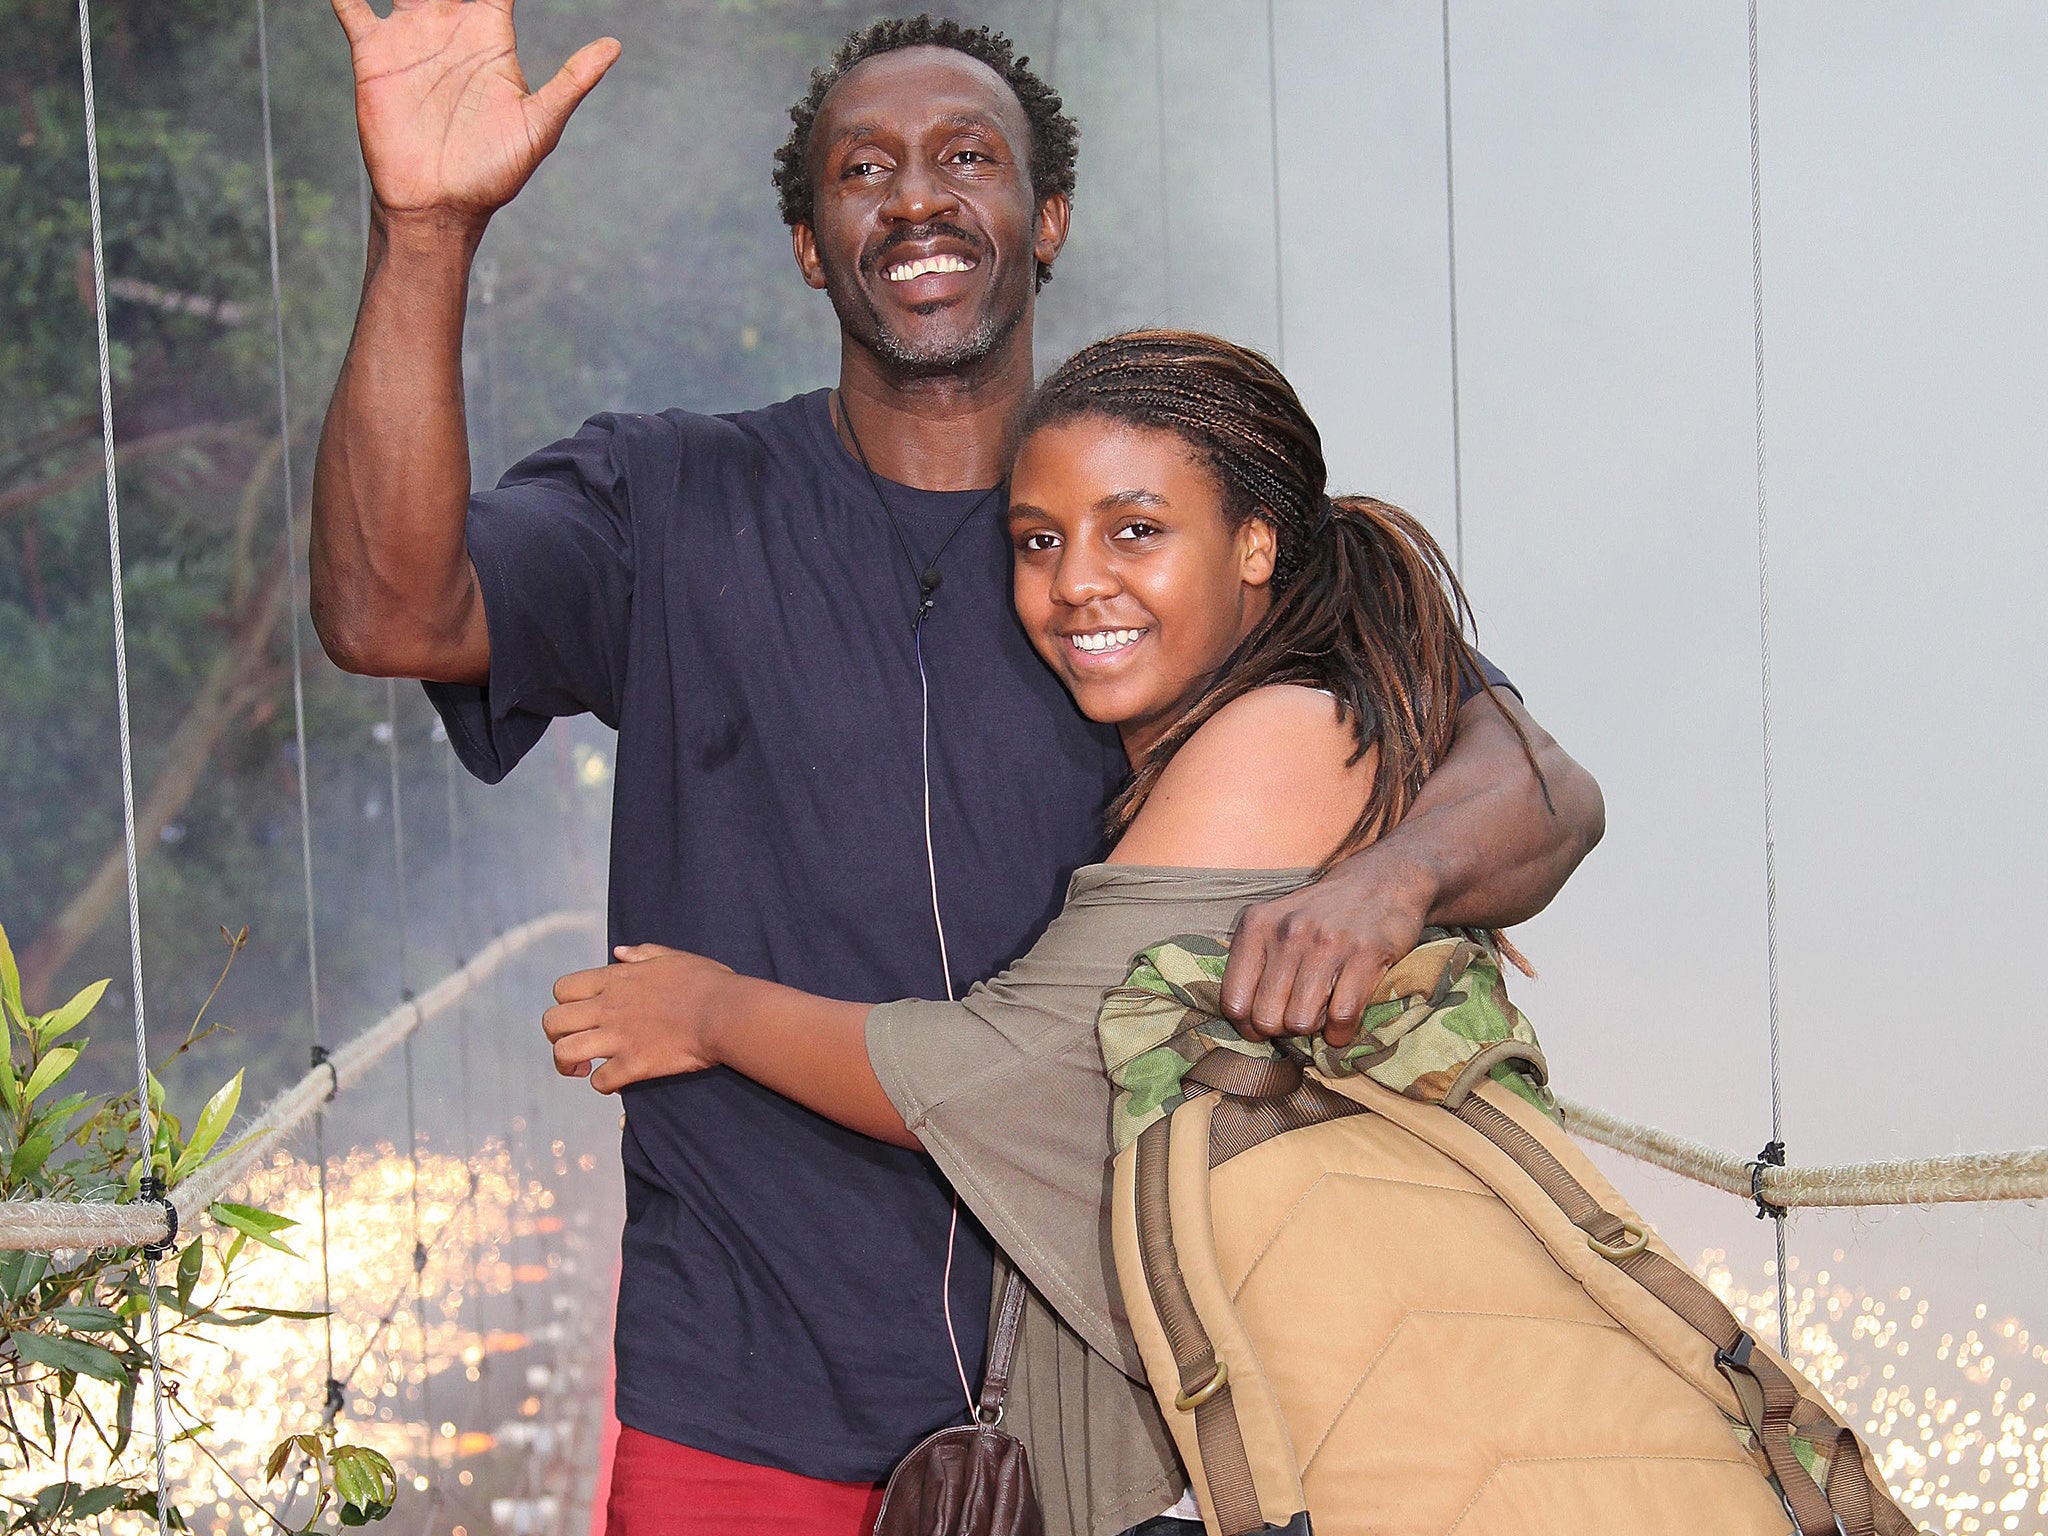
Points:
[54,1225]
[51,1225]
[1967,1177]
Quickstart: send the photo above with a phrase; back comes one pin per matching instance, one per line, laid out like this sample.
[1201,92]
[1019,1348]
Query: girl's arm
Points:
[661,1012]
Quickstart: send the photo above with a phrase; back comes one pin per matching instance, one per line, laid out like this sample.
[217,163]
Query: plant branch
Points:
[197,435]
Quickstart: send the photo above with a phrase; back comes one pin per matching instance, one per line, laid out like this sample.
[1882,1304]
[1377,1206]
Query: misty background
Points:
[1609,500]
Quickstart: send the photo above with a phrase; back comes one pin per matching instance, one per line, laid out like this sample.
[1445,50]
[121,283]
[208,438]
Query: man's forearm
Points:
[393,592]
[809,1049]
[1483,845]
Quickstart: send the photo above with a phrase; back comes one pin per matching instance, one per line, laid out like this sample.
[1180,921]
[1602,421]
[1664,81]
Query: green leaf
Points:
[97,1501]
[124,1416]
[29,1157]
[366,1483]
[190,1264]
[50,1500]
[10,977]
[10,1085]
[265,1314]
[250,1222]
[55,1026]
[64,1354]
[48,1071]
[85,1319]
[213,1119]
[20,1270]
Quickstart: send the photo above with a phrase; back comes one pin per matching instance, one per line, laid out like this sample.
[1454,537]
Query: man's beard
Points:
[955,354]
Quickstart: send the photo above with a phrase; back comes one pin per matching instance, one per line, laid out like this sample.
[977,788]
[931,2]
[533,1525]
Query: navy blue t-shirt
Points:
[726,592]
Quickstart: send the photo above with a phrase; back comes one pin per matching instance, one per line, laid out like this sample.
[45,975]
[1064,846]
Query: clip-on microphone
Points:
[927,589]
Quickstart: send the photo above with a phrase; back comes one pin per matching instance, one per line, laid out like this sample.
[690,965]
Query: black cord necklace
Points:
[926,572]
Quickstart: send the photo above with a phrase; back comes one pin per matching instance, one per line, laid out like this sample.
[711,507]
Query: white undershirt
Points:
[1186,1509]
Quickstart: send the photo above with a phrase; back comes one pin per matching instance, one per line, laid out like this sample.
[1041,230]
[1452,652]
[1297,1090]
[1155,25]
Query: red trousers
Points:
[660,1488]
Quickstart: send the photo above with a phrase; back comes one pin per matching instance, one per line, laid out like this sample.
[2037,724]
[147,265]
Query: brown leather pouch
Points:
[972,1479]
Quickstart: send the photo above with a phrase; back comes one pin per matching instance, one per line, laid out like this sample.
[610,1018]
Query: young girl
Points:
[1285,669]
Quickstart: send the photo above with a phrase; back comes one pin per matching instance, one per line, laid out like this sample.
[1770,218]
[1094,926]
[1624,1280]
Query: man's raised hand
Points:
[447,123]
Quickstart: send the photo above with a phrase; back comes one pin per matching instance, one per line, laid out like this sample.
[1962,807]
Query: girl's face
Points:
[1129,579]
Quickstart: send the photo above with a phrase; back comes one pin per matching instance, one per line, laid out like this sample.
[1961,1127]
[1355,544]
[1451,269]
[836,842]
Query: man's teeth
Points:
[909,269]
[1106,639]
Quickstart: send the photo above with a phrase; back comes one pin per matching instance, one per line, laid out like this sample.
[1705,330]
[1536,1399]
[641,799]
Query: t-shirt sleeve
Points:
[1489,675]
[1006,1091]
[553,549]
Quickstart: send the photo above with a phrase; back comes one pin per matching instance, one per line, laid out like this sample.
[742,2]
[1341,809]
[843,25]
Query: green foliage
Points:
[360,1481]
[76,1318]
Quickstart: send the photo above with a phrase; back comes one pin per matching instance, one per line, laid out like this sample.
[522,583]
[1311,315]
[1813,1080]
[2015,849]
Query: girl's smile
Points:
[1130,579]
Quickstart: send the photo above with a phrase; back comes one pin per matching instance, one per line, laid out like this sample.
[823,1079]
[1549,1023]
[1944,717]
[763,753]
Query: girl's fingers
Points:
[574,1053]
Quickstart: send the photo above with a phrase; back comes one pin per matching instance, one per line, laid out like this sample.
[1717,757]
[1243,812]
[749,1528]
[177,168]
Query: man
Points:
[839,763]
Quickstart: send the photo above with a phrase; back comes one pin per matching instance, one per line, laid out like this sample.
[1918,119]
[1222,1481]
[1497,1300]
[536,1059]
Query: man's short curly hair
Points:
[1055,137]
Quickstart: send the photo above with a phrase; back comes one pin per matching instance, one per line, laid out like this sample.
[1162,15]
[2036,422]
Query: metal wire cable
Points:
[1159,102]
[1451,265]
[1273,136]
[412,1131]
[300,765]
[464,938]
[145,1118]
[1763,605]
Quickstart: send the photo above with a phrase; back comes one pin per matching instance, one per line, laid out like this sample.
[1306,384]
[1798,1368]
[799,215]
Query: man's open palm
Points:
[447,122]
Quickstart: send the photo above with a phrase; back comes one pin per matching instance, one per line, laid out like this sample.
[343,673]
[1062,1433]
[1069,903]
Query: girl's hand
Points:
[648,1016]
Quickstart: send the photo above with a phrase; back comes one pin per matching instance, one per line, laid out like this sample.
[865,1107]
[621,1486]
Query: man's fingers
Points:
[611,1077]
[356,18]
[1242,971]
[1351,996]
[553,102]
[1268,1015]
[1308,999]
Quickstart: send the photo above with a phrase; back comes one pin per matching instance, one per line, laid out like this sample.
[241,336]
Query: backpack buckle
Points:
[1634,1240]
[1189,1401]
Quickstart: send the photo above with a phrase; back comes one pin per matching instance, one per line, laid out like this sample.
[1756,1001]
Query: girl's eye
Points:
[1038,543]
[1137,529]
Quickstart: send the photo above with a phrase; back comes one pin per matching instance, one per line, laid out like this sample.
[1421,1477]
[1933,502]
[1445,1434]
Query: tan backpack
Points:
[1380,1290]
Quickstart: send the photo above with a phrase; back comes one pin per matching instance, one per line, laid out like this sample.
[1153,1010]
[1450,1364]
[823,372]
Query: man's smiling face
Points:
[924,231]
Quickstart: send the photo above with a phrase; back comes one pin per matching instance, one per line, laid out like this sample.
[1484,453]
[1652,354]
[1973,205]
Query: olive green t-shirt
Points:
[1006,1090]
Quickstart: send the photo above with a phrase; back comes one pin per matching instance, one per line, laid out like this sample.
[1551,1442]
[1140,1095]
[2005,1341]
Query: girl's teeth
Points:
[1107,639]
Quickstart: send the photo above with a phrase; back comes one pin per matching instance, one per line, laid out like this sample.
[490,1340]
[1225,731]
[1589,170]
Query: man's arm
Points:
[450,134]
[1482,847]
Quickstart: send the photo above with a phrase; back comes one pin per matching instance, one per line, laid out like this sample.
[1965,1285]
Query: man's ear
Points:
[804,245]
[1258,549]
[1054,214]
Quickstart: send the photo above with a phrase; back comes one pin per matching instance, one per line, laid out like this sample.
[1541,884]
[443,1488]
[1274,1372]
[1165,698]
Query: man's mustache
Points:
[917,234]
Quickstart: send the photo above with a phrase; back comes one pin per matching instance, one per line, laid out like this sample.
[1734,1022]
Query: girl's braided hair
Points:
[1365,605]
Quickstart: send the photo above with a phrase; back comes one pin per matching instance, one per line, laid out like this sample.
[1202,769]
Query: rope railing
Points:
[51,1225]
[1969,1177]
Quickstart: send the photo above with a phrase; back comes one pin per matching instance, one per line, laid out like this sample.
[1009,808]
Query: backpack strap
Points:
[1770,1397]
